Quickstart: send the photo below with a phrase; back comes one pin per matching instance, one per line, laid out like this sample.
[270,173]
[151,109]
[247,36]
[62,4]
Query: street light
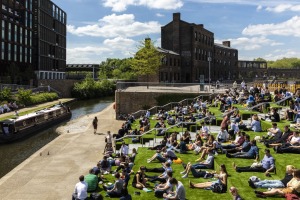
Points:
[209,60]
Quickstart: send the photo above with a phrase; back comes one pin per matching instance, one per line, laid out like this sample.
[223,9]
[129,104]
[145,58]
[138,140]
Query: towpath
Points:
[52,172]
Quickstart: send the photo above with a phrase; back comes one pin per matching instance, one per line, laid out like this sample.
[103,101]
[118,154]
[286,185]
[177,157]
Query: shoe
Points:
[185,176]
[182,172]
[106,172]
[228,155]
[148,161]
[191,184]
[183,165]
[104,188]
[258,192]
[251,184]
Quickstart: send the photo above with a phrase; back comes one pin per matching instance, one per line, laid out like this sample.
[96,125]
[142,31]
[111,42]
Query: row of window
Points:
[13,52]
[204,39]
[51,75]
[50,50]
[169,77]
[225,53]
[15,33]
[49,63]
[252,65]
[171,61]
[52,24]
[54,11]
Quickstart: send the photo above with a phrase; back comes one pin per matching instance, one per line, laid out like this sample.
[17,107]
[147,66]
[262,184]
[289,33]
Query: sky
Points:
[101,29]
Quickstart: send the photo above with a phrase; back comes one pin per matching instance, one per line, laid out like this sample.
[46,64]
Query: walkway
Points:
[52,172]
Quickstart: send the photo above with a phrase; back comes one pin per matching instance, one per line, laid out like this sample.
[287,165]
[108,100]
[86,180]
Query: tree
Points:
[147,59]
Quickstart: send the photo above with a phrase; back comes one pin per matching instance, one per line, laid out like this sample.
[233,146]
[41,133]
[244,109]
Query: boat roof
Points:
[31,115]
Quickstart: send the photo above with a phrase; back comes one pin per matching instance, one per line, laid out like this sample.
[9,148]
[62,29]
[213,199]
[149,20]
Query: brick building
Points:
[199,54]
[33,41]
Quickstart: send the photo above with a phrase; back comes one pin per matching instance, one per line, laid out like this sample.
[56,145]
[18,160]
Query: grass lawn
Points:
[239,180]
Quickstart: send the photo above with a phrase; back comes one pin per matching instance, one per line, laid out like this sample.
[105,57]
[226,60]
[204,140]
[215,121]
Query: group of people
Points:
[7,107]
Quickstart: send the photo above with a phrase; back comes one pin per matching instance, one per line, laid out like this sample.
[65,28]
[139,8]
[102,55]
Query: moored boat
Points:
[22,126]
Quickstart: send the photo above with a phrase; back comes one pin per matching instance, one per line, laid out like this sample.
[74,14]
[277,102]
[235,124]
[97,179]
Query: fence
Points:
[276,86]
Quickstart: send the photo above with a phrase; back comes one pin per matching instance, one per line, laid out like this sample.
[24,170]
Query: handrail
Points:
[284,99]
[153,129]
[168,104]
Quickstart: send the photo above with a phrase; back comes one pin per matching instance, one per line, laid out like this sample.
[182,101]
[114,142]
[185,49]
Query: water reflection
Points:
[13,154]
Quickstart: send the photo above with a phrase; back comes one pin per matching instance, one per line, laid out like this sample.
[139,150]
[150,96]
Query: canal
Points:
[11,155]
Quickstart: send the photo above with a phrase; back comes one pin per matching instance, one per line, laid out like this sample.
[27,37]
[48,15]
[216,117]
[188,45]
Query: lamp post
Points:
[209,60]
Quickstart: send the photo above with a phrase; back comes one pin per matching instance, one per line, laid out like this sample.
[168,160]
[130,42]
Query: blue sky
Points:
[101,29]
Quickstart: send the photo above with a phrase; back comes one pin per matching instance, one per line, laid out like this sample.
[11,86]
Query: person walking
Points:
[95,124]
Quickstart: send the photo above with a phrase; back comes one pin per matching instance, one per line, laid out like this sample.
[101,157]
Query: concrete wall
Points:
[130,102]
[63,86]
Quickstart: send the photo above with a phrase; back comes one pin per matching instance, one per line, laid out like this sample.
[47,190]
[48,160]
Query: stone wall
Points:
[130,102]
[63,86]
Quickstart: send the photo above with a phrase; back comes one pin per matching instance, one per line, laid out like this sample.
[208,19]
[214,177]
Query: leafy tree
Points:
[24,96]
[6,94]
[147,59]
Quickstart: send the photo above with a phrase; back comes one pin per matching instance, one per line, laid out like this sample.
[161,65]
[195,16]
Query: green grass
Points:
[238,180]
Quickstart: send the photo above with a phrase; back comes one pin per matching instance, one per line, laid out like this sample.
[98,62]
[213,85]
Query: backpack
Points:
[218,188]
[96,196]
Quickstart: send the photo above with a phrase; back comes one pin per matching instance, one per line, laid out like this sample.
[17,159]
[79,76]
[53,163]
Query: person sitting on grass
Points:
[266,165]
[243,148]
[179,194]
[251,154]
[80,191]
[115,190]
[207,164]
[168,155]
[162,188]
[272,132]
[279,138]
[293,186]
[92,180]
[234,193]
[105,165]
[239,140]
[210,144]
[292,144]
[222,179]
[139,180]
[162,178]
[274,183]
[223,135]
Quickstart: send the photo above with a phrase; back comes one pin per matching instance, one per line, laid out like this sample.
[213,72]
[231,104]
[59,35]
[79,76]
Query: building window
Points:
[195,35]
[2,50]
[3,29]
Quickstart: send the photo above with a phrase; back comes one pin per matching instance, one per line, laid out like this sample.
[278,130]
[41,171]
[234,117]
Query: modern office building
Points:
[199,54]
[33,41]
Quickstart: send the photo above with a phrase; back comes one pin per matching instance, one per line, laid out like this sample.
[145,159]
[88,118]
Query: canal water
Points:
[11,155]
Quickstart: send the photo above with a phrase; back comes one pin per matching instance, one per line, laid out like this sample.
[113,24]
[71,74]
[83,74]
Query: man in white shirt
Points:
[80,191]
[124,149]
[223,135]
[179,193]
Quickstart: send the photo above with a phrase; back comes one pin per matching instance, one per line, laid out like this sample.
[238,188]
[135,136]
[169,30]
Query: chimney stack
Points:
[226,43]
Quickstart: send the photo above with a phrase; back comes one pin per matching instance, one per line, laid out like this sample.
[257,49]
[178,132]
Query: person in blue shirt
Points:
[255,124]
[251,154]
[266,165]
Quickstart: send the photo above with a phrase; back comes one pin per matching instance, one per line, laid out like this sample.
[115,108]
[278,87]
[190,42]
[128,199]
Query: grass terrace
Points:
[239,180]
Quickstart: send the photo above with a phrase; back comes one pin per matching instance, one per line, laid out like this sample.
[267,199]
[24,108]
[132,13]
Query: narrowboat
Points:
[22,126]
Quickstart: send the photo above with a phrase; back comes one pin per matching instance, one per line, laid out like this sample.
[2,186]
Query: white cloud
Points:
[279,54]
[270,3]
[290,27]
[259,7]
[121,5]
[283,8]
[159,15]
[250,44]
[116,25]
[116,47]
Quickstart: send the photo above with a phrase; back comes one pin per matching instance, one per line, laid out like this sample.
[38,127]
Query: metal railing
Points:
[169,106]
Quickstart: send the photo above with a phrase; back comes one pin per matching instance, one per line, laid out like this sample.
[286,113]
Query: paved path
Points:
[53,176]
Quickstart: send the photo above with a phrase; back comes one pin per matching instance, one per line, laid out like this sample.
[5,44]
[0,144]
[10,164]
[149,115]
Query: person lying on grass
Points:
[207,164]
[163,156]
[251,154]
[274,183]
[292,187]
[222,179]
[266,165]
